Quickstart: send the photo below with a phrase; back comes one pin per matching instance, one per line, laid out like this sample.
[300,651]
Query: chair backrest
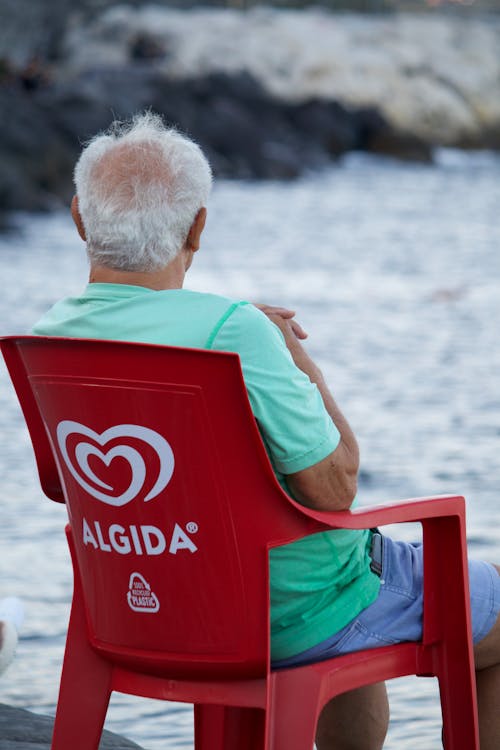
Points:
[172,501]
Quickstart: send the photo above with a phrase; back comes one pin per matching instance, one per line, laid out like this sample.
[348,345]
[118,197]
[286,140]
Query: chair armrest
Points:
[403,511]
[446,583]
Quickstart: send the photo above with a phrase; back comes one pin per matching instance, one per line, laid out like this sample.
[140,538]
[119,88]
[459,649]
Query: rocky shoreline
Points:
[267,93]
[23,730]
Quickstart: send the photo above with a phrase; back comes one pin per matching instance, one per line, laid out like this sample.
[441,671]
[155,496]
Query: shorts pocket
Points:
[359,637]
[350,640]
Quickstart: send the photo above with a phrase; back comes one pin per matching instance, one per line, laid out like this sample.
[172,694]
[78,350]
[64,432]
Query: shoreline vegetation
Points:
[267,92]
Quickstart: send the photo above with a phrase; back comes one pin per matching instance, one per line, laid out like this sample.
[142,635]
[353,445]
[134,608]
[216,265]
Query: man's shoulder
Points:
[209,299]
[233,311]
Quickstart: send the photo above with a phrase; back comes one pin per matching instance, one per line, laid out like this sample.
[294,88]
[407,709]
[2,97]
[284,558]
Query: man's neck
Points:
[170,277]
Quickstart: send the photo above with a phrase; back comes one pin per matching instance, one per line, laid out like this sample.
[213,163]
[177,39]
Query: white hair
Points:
[140,186]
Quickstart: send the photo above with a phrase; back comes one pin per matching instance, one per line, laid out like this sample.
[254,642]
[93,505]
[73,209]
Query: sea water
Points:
[394,271]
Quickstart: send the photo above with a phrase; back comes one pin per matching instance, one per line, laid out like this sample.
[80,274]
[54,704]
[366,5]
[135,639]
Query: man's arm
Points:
[330,484]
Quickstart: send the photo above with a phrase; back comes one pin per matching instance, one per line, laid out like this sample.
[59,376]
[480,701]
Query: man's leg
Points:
[357,720]
[487,660]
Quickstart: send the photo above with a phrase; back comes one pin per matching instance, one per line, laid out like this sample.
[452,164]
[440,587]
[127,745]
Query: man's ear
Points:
[75,213]
[194,237]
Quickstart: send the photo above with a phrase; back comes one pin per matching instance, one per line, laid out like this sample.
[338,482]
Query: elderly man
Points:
[140,206]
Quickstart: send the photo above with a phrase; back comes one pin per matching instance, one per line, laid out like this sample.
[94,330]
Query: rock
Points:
[378,137]
[261,99]
[23,730]
[39,28]
[28,29]
[435,76]
[244,131]
[36,162]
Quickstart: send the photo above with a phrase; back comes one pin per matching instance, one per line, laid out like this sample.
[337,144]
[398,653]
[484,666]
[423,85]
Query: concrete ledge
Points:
[23,730]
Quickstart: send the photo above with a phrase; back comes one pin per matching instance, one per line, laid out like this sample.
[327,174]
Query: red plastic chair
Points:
[173,507]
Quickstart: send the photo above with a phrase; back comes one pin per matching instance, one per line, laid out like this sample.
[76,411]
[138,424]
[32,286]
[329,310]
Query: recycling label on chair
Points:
[140,598]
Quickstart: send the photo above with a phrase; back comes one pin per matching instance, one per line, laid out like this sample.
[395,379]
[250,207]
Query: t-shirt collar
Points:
[116,291]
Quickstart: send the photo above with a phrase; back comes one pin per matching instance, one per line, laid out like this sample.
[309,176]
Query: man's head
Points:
[140,187]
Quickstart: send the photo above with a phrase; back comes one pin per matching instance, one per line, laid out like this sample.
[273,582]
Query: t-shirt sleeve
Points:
[297,429]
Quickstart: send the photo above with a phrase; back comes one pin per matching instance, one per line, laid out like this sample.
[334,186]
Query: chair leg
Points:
[228,728]
[453,658]
[84,690]
[295,707]
[460,729]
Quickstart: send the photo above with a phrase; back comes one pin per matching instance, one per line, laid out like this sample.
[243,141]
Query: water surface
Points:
[394,270]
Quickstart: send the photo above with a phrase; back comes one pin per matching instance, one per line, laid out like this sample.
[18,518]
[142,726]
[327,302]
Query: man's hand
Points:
[273,312]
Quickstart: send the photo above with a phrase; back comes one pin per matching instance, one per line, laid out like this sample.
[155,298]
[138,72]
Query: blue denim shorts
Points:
[396,615]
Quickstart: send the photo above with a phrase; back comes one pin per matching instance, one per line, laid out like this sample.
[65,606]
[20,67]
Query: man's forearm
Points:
[331,483]
[307,365]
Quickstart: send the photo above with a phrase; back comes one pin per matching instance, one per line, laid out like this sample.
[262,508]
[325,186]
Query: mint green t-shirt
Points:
[321,582]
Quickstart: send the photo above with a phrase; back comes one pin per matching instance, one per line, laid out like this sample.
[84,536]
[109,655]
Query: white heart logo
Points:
[83,451]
